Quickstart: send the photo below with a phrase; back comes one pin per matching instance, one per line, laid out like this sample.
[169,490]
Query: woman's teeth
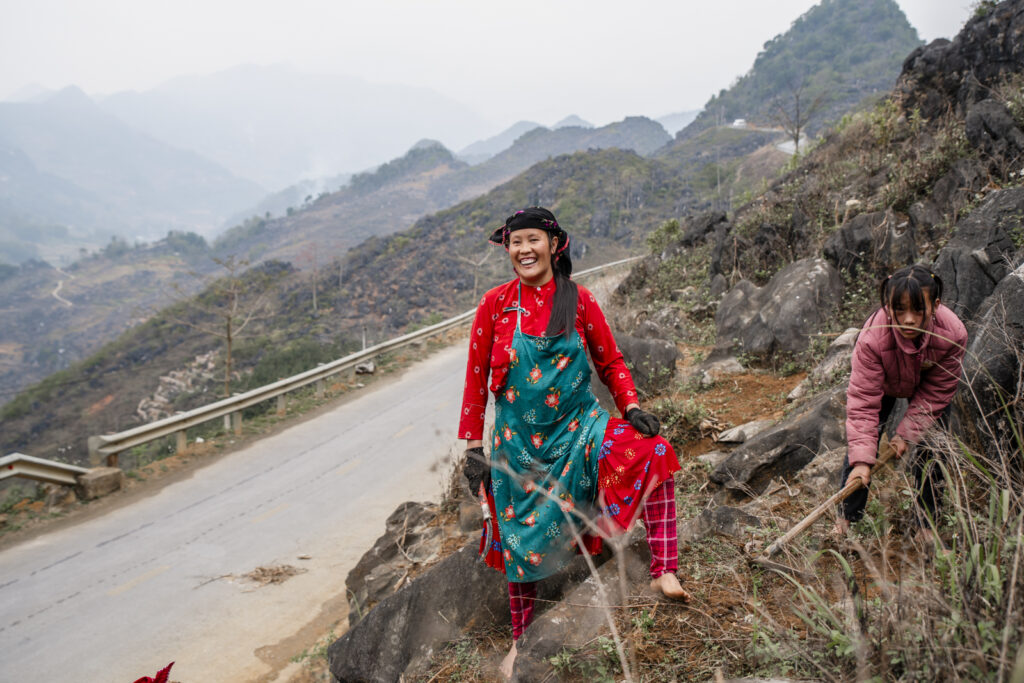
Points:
[527,261]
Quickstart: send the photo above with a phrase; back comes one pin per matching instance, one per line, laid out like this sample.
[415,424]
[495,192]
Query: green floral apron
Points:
[546,433]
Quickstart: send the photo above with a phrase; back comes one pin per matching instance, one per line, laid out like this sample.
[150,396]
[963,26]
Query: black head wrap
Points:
[541,219]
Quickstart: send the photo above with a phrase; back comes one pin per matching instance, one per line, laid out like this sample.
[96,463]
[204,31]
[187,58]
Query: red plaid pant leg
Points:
[520,598]
[659,516]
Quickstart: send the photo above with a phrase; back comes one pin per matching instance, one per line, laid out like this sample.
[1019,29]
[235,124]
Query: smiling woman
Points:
[562,473]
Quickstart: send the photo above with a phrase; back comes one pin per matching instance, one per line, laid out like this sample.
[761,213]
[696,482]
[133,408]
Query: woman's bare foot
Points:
[669,586]
[508,663]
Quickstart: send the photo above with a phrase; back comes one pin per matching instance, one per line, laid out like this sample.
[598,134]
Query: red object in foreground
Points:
[161,675]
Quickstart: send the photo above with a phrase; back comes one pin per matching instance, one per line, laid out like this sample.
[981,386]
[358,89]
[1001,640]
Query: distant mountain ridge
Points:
[69,162]
[426,179]
[843,50]
[276,124]
[485,149]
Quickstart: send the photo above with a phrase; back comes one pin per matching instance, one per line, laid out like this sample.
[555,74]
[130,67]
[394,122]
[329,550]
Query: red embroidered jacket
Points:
[491,339]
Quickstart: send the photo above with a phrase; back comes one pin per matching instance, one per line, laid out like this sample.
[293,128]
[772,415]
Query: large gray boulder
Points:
[879,239]
[991,129]
[581,615]
[833,366]
[989,408]
[410,539]
[981,251]
[782,451]
[402,632]
[800,299]
[652,362]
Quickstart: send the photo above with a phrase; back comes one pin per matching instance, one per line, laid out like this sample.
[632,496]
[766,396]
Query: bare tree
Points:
[230,300]
[476,268]
[794,112]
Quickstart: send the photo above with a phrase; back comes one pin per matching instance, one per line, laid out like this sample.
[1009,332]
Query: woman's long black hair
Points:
[563,309]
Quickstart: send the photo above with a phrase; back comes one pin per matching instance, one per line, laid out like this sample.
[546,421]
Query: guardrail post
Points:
[112,459]
[236,422]
[227,422]
[94,450]
[319,388]
[180,441]
[282,404]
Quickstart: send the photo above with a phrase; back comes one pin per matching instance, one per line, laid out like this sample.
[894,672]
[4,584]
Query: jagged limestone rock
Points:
[784,450]
[981,251]
[987,410]
[406,628]
[652,362]
[778,317]
[410,538]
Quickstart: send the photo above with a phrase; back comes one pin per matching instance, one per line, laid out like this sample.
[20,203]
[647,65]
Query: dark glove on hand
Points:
[643,422]
[477,470]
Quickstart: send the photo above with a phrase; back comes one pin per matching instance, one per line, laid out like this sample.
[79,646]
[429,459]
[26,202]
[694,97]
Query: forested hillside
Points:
[836,54]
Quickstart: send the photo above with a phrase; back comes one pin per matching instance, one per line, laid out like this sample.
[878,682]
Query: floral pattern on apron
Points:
[547,433]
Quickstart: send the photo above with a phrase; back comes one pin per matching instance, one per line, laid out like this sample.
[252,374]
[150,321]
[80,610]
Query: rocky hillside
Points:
[841,51]
[933,174]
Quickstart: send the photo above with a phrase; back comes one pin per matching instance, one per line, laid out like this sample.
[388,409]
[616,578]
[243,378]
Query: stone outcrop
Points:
[879,238]
[580,616]
[783,450]
[831,368]
[411,538]
[402,632]
[960,71]
[988,408]
[652,362]
[981,251]
[780,316]
[992,130]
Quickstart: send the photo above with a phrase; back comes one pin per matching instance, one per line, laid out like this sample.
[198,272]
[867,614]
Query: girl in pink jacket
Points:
[911,347]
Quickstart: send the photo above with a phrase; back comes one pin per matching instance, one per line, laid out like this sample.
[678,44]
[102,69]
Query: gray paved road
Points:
[118,597]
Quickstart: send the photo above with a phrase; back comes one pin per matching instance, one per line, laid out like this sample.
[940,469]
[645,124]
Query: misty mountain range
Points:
[200,153]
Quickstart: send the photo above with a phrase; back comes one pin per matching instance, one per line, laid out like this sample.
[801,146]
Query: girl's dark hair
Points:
[913,281]
[563,309]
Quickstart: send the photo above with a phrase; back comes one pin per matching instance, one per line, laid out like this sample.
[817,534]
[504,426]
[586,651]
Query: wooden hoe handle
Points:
[885,454]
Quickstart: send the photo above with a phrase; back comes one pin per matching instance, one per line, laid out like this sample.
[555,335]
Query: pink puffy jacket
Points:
[886,364]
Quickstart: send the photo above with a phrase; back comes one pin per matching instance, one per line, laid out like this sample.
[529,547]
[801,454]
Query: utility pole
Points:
[314,282]
[476,269]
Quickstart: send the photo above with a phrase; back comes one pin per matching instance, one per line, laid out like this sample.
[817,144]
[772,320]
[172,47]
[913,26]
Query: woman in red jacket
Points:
[912,347]
[558,463]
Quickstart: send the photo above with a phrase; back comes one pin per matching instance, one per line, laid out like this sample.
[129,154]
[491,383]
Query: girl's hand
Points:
[862,472]
[898,445]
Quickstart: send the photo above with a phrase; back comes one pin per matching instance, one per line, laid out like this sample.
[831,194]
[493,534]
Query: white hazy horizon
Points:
[506,62]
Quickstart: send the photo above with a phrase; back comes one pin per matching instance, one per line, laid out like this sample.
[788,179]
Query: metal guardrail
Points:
[37,469]
[110,445]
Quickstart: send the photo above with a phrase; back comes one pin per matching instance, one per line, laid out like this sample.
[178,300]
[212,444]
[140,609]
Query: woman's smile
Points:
[530,250]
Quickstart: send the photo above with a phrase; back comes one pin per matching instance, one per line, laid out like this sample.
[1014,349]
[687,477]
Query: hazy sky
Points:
[527,59]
